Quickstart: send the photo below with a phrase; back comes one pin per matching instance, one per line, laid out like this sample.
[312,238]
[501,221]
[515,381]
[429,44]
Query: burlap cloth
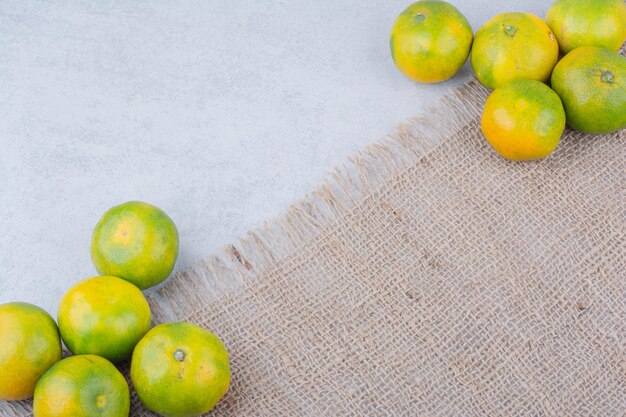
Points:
[428,277]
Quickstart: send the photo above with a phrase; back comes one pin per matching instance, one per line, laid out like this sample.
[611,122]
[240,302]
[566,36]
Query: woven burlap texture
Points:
[428,277]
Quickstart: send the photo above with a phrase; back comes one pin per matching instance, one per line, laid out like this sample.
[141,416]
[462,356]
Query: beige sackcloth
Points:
[427,277]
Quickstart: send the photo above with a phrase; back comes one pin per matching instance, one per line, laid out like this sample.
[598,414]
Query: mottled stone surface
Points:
[221,114]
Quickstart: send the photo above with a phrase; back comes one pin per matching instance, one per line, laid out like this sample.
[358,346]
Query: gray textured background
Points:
[221,113]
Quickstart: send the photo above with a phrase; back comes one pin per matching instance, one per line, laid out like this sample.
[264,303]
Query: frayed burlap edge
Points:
[239,264]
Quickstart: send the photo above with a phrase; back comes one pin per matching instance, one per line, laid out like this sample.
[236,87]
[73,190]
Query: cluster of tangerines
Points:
[516,55]
[177,369]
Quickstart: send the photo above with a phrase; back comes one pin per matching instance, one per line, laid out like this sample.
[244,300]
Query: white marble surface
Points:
[220,112]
